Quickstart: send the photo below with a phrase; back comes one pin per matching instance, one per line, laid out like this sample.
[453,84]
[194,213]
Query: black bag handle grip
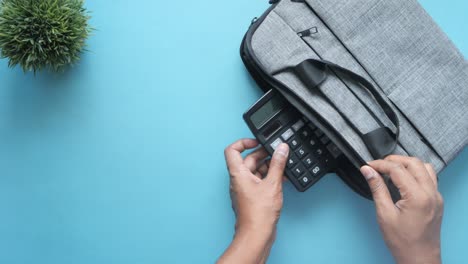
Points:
[380,142]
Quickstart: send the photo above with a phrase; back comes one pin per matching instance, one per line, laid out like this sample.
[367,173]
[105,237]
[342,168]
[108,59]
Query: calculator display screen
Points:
[267,111]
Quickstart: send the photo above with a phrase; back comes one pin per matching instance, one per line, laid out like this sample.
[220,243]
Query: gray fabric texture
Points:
[396,46]
[414,62]
[277,47]
[324,43]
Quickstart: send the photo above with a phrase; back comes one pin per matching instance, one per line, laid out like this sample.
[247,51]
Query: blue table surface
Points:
[120,160]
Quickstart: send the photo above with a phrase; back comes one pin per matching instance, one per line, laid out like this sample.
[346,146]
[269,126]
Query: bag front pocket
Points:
[413,62]
[437,105]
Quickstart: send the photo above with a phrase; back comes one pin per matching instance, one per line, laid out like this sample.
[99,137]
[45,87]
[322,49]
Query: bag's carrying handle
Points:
[380,142]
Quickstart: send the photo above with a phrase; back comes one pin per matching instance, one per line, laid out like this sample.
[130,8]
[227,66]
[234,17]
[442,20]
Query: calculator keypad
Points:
[305,180]
[287,134]
[292,161]
[301,152]
[298,125]
[325,140]
[310,160]
[276,143]
[305,133]
[299,170]
[294,143]
[318,133]
[312,153]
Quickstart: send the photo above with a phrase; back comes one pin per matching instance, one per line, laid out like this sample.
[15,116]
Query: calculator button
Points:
[276,143]
[305,180]
[334,150]
[292,161]
[325,140]
[312,142]
[294,143]
[309,161]
[315,170]
[301,152]
[318,152]
[298,125]
[312,126]
[305,133]
[318,133]
[287,134]
[299,170]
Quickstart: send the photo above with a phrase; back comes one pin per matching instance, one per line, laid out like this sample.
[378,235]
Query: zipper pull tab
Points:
[253,20]
[308,32]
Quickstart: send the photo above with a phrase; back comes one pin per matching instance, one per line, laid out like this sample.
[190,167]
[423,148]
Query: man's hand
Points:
[257,199]
[411,227]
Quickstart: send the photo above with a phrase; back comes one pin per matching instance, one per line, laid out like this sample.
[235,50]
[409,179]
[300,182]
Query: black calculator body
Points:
[273,121]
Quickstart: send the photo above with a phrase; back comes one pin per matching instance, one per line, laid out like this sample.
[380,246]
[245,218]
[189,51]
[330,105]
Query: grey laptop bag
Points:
[378,77]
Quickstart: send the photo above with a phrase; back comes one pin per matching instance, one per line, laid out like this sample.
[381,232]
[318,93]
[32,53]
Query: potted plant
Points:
[43,34]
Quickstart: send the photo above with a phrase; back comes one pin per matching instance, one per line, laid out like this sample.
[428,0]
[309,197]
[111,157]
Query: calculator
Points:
[273,121]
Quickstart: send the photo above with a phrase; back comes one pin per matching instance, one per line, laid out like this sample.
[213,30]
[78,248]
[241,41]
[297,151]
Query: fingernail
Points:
[368,172]
[282,150]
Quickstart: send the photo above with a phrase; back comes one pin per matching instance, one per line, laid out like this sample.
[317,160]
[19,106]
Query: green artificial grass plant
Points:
[43,34]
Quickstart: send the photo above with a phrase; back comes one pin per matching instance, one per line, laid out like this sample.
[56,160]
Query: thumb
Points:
[278,163]
[378,188]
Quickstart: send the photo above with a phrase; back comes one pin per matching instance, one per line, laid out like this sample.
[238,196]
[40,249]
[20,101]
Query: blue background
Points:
[120,160]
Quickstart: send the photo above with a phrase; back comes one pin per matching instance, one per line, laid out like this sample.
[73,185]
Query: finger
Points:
[258,175]
[432,174]
[263,169]
[267,162]
[278,163]
[405,183]
[380,193]
[252,160]
[415,167]
[233,152]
